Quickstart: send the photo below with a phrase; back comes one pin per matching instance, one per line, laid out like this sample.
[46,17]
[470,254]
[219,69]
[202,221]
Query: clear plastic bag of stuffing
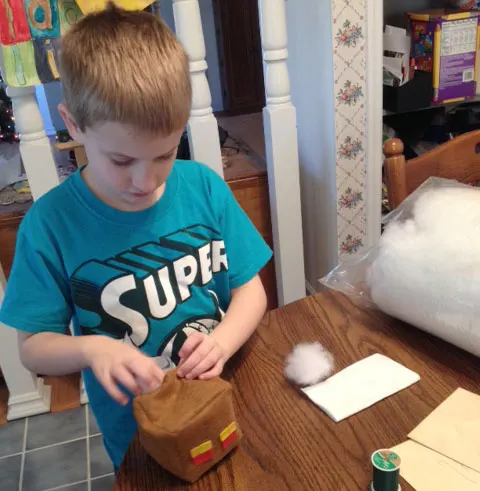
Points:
[425,269]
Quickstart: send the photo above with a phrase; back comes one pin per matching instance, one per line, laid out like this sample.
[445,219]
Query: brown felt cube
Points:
[187,426]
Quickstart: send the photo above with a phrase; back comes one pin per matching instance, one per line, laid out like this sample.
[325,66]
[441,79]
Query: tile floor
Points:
[56,451]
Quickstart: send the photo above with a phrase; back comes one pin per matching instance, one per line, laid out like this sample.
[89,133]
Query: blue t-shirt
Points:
[147,278]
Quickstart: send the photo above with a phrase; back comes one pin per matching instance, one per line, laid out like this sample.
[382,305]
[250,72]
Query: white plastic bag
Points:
[426,268]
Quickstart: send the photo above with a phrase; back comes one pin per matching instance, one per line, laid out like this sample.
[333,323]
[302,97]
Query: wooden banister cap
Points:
[393,147]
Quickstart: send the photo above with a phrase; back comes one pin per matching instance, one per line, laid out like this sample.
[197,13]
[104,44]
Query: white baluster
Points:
[202,126]
[28,395]
[35,148]
[280,125]
[83,392]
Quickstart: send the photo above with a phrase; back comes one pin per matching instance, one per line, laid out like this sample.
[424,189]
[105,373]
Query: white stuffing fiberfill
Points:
[427,271]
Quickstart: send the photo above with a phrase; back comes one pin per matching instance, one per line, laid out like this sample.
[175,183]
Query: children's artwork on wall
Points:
[19,68]
[13,22]
[87,6]
[30,31]
[69,13]
[45,60]
[42,17]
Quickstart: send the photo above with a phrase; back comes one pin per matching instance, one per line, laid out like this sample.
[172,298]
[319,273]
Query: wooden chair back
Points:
[457,159]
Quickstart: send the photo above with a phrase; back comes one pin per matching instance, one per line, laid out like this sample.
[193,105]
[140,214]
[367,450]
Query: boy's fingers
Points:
[194,359]
[213,372]
[147,388]
[113,390]
[159,375]
[206,364]
[149,375]
[190,345]
[154,384]
[142,369]
[124,377]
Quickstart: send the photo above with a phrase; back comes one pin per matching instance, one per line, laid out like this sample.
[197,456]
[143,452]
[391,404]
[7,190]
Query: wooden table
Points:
[289,443]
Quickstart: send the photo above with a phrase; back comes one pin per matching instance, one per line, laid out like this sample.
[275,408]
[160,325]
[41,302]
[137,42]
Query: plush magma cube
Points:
[187,426]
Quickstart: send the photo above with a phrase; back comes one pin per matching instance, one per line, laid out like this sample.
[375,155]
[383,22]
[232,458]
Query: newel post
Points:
[280,125]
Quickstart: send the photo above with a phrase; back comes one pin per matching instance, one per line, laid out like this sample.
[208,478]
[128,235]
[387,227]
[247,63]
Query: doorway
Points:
[240,55]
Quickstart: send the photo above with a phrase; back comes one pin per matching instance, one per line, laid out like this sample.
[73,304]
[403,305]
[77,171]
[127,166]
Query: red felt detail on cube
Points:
[203,457]
[13,29]
[226,443]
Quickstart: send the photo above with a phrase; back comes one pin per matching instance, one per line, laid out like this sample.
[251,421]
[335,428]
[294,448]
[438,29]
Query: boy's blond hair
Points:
[126,67]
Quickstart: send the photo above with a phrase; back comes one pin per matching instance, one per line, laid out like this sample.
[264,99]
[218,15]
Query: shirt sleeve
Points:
[37,293]
[247,252]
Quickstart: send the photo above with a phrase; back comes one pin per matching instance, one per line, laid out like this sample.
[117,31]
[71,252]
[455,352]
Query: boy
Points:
[143,253]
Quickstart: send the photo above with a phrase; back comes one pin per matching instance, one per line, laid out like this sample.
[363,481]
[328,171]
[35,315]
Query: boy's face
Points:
[127,168]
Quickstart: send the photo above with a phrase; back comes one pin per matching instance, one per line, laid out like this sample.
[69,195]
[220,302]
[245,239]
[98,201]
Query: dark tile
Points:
[93,427]
[51,428]
[55,466]
[10,472]
[100,463]
[103,484]
[11,436]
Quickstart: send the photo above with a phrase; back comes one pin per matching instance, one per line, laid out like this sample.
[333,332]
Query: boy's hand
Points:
[116,363]
[201,356]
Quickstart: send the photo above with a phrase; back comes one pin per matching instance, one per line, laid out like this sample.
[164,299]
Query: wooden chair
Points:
[77,148]
[457,159]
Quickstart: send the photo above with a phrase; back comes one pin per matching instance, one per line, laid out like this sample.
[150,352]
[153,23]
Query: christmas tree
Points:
[7,121]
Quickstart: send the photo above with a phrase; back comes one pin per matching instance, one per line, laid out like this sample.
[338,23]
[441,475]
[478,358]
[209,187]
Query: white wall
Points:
[310,64]
[53,94]
[45,110]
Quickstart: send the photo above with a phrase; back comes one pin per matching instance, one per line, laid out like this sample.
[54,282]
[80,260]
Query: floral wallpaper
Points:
[349,27]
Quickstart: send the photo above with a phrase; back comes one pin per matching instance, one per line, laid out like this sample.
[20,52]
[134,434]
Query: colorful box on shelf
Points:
[446,43]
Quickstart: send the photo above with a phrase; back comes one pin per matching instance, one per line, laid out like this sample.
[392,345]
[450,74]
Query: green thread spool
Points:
[386,471]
